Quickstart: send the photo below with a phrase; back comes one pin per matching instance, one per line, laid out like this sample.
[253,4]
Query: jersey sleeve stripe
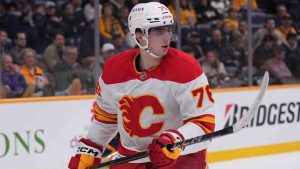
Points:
[206,128]
[103,116]
[205,122]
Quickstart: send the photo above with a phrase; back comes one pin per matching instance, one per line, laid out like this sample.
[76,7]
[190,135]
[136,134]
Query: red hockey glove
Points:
[87,156]
[159,154]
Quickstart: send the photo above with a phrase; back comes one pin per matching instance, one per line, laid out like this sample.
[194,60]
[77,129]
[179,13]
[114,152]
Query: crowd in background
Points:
[47,47]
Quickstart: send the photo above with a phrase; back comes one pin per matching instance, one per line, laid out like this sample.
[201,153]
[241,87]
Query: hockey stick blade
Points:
[226,131]
[253,109]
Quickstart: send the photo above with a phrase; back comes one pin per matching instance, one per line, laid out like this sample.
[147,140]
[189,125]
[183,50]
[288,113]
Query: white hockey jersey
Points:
[141,105]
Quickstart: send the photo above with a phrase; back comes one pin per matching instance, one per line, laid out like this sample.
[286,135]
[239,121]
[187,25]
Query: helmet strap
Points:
[151,53]
[146,47]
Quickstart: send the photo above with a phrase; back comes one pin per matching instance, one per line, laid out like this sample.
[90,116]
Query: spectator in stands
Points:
[294,8]
[13,82]
[77,4]
[67,74]
[89,10]
[4,43]
[12,20]
[242,4]
[268,29]
[214,70]
[290,45]
[28,25]
[222,6]
[52,23]
[68,19]
[54,52]
[117,5]
[264,52]
[33,74]
[193,46]
[73,25]
[281,11]
[227,33]
[224,50]
[205,13]
[232,19]
[240,42]
[79,16]
[286,27]
[292,53]
[240,36]
[87,56]
[119,43]
[186,10]
[123,13]
[107,51]
[278,69]
[39,20]
[108,24]
[20,44]
[123,20]
[38,13]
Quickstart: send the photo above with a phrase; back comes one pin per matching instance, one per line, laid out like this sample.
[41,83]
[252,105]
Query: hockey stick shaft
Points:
[188,142]
[226,131]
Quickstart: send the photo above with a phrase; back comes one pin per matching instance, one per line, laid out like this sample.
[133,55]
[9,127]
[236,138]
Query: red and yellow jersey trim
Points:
[103,116]
[205,122]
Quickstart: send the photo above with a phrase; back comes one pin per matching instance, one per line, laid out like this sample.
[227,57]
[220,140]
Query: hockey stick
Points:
[228,130]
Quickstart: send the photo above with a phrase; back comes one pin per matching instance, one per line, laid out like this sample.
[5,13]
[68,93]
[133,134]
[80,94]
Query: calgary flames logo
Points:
[98,89]
[132,109]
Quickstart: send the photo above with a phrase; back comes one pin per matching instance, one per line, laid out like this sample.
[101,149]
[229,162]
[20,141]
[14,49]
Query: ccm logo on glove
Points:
[88,150]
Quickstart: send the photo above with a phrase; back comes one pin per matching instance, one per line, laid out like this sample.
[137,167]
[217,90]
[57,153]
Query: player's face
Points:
[159,40]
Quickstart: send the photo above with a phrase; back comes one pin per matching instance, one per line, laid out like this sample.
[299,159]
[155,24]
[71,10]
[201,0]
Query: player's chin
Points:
[164,51]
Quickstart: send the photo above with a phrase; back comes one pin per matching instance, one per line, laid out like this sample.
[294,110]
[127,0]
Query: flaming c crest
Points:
[98,89]
[132,108]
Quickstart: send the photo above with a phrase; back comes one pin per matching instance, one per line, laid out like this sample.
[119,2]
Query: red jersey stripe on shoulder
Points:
[119,68]
[177,66]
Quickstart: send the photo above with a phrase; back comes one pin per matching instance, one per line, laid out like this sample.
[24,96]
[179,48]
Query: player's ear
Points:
[139,36]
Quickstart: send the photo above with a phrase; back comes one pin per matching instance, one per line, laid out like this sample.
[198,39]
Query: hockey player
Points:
[153,96]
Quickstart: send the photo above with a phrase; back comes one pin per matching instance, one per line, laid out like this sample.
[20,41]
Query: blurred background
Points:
[58,48]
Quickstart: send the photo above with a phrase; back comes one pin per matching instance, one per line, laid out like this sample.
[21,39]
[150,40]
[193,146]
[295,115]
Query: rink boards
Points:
[43,133]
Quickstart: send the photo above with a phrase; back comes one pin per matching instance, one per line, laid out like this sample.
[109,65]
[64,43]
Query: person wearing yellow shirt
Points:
[242,4]
[186,11]
[286,27]
[232,20]
[108,24]
[34,75]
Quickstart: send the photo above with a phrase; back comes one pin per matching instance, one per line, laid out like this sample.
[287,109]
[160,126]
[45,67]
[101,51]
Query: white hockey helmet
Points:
[144,16]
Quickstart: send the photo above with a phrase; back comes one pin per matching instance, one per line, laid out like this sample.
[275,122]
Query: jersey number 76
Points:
[200,92]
